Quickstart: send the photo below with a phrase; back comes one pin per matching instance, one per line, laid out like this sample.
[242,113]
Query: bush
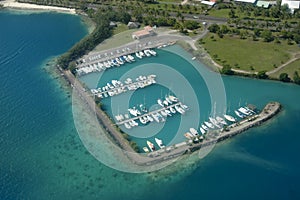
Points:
[262,75]
[296,78]
[284,77]
[227,70]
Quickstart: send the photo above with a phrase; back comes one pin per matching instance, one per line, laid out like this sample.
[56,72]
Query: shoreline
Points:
[12,4]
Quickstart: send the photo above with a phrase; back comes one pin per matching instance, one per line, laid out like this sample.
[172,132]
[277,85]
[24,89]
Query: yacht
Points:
[159,101]
[147,53]
[244,111]
[150,145]
[172,110]
[130,57]
[134,123]
[127,126]
[146,149]
[168,112]
[239,114]
[221,120]
[165,102]
[184,106]
[150,118]
[204,127]
[179,109]
[202,130]
[153,53]
[194,132]
[172,98]
[209,125]
[188,135]
[229,118]
[249,110]
[168,100]
[138,55]
[143,120]
[142,54]
[159,143]
[214,122]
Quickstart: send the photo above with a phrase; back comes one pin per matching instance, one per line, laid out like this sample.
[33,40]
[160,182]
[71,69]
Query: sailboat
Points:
[159,143]
[150,145]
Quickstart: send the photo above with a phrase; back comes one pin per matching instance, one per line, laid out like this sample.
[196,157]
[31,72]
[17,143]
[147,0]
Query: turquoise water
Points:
[203,91]
[43,158]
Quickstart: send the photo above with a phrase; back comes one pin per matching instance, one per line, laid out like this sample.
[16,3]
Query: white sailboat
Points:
[159,143]
[204,127]
[150,145]
[202,130]
[229,118]
[146,149]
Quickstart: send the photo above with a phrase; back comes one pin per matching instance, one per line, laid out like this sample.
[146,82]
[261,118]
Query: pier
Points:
[149,113]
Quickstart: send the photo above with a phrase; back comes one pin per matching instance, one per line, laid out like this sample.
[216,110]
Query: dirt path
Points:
[295,57]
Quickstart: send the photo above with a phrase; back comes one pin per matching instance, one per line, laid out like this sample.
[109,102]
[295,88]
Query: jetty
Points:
[176,150]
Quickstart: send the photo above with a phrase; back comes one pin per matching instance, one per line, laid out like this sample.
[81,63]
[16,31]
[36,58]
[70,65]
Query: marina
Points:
[178,149]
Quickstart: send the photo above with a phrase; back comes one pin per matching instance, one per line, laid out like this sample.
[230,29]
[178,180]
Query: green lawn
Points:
[116,40]
[289,69]
[120,28]
[219,13]
[247,54]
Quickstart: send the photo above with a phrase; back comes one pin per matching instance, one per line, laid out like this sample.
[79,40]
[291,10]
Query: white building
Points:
[293,5]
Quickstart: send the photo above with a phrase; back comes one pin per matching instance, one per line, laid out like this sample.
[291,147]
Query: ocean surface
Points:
[42,156]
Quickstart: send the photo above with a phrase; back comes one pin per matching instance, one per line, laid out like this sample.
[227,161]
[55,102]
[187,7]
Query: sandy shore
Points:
[17,5]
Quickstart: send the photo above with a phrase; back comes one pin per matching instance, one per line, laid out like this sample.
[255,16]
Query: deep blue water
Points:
[42,157]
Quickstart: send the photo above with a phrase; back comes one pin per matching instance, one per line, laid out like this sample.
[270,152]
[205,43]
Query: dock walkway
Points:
[149,113]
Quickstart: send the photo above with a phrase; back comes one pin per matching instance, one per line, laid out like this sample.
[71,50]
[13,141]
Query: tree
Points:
[227,70]
[191,25]
[214,28]
[232,14]
[267,36]
[296,78]
[284,77]
[262,75]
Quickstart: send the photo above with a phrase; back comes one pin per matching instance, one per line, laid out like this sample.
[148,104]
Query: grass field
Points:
[116,40]
[289,69]
[219,13]
[247,54]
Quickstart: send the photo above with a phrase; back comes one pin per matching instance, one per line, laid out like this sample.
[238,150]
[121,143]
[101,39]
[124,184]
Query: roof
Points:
[246,1]
[148,28]
[133,24]
[263,4]
[291,4]
[141,33]
[210,3]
